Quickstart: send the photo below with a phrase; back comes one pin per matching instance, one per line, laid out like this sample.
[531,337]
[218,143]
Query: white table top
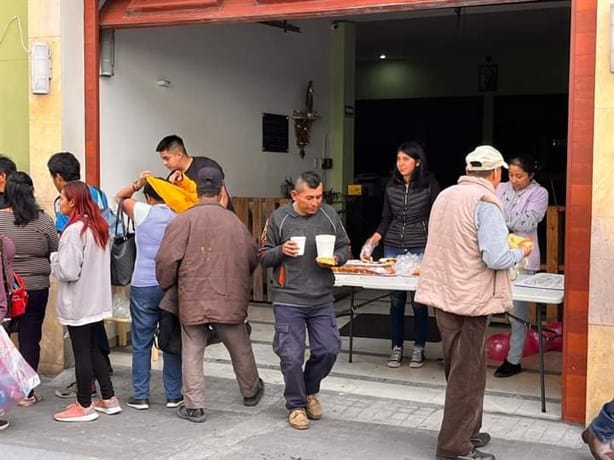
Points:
[409,283]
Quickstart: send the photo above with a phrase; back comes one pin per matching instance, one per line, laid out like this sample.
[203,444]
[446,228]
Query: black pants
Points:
[31,326]
[90,362]
[102,342]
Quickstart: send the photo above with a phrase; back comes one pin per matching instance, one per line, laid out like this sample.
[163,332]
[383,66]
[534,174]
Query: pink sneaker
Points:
[108,406]
[75,412]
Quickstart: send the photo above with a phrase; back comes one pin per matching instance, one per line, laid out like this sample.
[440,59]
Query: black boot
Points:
[508,369]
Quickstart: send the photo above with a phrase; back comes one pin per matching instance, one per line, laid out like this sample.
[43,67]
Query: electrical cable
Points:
[6,28]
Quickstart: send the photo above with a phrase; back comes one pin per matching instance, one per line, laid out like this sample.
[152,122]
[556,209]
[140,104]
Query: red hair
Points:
[87,211]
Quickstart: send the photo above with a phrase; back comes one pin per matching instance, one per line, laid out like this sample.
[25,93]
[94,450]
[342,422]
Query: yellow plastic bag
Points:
[178,197]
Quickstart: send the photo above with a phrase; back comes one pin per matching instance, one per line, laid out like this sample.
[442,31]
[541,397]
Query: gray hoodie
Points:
[300,281]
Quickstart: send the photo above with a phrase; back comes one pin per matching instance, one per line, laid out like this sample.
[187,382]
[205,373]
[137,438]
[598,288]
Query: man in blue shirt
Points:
[64,167]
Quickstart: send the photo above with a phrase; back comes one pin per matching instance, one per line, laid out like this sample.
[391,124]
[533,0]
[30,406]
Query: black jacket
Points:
[406,212]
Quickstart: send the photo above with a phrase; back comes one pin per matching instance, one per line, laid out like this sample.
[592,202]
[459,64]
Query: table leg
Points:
[351,323]
[540,342]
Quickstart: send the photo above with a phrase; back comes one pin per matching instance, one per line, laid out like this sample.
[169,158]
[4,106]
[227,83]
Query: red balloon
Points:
[497,346]
[553,335]
[531,344]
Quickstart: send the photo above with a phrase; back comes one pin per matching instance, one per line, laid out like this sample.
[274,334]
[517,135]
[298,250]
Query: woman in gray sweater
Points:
[82,268]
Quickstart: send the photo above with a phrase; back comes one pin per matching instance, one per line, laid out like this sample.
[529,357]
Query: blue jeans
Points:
[289,345]
[398,299]
[603,425]
[519,330]
[145,313]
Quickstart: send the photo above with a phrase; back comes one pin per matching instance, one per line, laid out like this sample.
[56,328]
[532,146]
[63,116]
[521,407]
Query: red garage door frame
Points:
[149,13]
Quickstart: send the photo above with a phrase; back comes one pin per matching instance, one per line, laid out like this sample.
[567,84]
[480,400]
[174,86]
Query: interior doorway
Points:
[452,79]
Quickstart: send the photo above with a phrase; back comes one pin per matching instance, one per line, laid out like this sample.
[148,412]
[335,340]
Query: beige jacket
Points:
[453,276]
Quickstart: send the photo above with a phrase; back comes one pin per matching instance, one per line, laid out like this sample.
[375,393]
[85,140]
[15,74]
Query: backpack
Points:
[101,200]
[107,213]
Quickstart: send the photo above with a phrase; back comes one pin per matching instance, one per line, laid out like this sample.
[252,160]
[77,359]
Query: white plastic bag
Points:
[17,378]
[121,302]
[407,264]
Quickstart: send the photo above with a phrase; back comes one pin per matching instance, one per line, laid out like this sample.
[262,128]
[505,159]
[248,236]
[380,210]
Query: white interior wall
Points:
[223,77]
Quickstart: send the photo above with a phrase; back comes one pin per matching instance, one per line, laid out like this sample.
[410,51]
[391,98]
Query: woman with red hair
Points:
[82,268]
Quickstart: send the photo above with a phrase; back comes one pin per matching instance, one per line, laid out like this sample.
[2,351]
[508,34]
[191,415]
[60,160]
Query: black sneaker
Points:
[251,401]
[480,439]
[138,404]
[174,402]
[473,455]
[508,369]
[192,415]
[70,392]
[4,424]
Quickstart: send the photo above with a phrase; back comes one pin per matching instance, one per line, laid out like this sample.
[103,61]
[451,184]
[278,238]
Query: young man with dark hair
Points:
[175,157]
[7,166]
[64,167]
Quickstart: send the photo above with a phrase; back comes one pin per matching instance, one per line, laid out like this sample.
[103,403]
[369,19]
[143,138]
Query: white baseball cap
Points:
[485,158]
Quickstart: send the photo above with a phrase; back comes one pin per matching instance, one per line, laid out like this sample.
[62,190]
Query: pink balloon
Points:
[531,345]
[553,335]
[497,346]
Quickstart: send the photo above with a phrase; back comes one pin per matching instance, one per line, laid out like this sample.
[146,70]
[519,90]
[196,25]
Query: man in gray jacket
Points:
[302,294]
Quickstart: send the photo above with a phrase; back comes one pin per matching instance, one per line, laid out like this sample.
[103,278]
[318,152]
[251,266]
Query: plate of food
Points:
[364,270]
[383,262]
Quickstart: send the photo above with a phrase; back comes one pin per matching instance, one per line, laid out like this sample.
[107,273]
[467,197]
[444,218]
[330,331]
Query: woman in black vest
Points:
[403,227]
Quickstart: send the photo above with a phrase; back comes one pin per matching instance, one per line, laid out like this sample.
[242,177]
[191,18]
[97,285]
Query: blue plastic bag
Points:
[17,378]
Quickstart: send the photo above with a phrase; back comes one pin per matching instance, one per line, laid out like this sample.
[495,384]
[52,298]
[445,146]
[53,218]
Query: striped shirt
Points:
[34,242]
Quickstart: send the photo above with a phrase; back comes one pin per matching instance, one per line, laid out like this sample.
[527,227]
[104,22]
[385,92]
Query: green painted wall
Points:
[14,108]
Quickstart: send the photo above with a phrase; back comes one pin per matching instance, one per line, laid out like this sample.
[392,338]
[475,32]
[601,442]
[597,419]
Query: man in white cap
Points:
[464,276]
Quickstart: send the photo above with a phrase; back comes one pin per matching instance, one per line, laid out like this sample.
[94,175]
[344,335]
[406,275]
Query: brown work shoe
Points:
[313,409]
[600,450]
[297,418]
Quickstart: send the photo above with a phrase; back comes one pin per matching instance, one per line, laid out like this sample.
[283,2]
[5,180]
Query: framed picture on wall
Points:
[274,133]
[487,77]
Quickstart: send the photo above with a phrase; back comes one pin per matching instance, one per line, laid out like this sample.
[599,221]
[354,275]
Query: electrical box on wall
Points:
[41,67]
[107,52]
[327,163]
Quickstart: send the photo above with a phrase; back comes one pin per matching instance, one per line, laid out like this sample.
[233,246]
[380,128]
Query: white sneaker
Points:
[417,358]
[395,357]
